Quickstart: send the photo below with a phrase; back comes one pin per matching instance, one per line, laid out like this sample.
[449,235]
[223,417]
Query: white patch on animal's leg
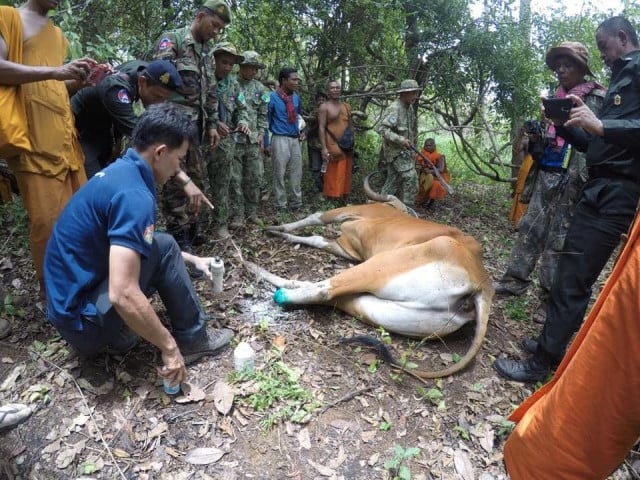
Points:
[310,294]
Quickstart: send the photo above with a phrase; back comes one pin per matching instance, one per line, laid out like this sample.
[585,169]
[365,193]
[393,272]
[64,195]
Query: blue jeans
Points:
[163,272]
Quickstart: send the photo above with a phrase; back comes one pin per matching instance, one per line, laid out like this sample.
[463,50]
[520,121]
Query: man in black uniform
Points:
[606,206]
[106,111]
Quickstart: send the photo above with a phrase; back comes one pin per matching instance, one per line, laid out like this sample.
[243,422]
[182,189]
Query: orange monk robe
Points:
[431,188]
[519,209]
[337,179]
[582,424]
[54,169]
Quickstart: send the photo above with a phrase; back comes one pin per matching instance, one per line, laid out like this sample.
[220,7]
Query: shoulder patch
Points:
[241,97]
[123,96]
[393,119]
[148,234]
[265,97]
[165,43]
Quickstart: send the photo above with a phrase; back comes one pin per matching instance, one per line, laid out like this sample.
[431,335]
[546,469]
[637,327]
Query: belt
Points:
[552,169]
[608,171]
[284,135]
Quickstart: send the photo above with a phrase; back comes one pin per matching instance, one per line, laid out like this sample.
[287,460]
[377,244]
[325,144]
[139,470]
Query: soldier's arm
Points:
[242,115]
[387,126]
[166,48]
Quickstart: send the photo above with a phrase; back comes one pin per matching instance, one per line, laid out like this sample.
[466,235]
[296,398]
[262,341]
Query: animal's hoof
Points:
[280,297]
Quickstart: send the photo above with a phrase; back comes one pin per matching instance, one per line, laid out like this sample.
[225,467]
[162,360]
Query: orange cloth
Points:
[337,179]
[519,209]
[436,191]
[582,424]
[14,137]
[54,169]
[55,147]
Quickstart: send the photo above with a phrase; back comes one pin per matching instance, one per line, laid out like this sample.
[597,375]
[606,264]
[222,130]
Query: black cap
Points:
[164,73]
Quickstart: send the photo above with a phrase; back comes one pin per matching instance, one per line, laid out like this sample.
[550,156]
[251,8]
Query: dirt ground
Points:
[353,417]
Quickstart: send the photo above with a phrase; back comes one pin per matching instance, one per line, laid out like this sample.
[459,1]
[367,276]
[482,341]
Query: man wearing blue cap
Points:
[108,111]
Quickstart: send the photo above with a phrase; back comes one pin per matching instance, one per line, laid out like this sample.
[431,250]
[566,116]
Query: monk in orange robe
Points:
[53,170]
[333,118]
[430,187]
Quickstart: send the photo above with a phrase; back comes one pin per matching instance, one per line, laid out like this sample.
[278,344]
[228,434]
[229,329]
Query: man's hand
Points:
[201,263]
[261,142]
[77,70]
[244,129]
[406,143]
[214,138]
[223,129]
[583,117]
[174,368]
[196,197]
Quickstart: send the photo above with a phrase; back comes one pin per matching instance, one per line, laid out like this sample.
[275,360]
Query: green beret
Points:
[220,8]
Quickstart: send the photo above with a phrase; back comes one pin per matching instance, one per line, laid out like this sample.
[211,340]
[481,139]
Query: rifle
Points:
[436,172]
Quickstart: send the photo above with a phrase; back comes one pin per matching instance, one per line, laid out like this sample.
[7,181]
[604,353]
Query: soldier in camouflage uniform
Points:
[233,121]
[557,187]
[398,131]
[191,50]
[246,169]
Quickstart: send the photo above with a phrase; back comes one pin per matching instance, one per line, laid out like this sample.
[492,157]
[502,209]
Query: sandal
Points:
[13,414]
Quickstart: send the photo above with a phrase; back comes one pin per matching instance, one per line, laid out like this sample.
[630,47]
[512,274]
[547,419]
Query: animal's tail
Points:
[482,301]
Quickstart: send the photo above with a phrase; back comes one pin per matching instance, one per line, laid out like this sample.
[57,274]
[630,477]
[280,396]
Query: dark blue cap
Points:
[164,73]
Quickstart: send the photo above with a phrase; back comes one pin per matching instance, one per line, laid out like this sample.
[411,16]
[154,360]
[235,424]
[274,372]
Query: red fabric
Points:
[288,102]
[582,424]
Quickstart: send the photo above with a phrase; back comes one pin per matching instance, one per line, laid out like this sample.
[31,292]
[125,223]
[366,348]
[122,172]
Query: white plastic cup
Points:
[244,358]
[217,274]
[168,388]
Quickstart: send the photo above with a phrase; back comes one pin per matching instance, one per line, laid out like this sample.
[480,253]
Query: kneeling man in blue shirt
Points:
[104,260]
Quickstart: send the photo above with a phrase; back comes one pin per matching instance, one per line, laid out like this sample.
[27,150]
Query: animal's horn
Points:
[371,195]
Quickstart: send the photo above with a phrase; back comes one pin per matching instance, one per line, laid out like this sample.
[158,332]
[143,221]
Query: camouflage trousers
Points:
[401,178]
[542,231]
[174,203]
[246,180]
[219,175]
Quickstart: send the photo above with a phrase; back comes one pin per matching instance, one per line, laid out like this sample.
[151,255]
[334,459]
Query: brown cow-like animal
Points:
[418,278]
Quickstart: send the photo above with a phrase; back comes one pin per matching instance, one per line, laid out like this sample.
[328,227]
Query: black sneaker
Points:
[529,345]
[212,343]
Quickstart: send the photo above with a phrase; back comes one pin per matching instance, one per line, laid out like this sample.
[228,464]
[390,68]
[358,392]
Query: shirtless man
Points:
[333,119]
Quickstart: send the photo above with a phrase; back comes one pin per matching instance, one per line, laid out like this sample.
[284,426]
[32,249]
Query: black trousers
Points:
[605,210]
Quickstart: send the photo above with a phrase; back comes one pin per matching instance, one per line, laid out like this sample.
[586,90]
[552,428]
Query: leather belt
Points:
[283,135]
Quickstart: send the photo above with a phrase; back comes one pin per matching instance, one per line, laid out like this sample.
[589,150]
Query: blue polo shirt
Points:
[277,115]
[116,207]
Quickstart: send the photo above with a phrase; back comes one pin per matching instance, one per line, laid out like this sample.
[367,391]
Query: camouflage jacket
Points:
[256,97]
[196,64]
[397,124]
[232,107]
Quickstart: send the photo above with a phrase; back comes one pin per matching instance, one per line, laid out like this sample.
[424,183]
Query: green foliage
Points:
[13,218]
[516,308]
[279,393]
[398,470]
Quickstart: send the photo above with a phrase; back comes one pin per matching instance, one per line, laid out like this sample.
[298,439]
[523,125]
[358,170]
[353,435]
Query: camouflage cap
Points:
[409,85]
[253,59]
[228,47]
[220,8]
[164,73]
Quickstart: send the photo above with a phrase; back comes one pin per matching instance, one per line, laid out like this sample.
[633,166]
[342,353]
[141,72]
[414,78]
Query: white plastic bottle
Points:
[217,274]
[244,358]
[168,388]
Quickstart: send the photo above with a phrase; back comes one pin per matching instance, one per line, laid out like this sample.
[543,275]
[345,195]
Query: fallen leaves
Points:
[204,456]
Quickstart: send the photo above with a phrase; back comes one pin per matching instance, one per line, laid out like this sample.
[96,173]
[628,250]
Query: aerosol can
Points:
[217,274]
